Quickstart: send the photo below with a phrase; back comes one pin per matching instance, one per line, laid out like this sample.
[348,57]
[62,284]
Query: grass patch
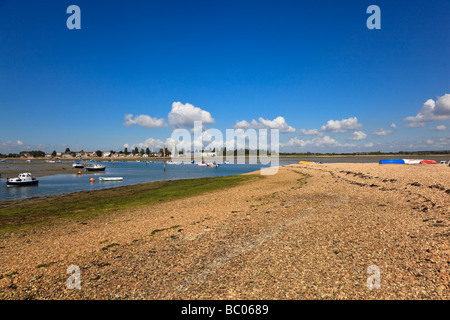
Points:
[45,265]
[159,230]
[87,204]
[111,245]
[302,181]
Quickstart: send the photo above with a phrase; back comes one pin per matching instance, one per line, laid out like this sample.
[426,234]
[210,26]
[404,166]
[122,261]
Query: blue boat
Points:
[389,161]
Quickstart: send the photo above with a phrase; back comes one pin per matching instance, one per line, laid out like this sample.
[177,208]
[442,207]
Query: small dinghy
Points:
[24,179]
[428,162]
[110,179]
[395,161]
[413,161]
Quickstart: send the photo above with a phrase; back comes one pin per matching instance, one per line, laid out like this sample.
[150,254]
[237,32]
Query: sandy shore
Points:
[308,232]
[38,169]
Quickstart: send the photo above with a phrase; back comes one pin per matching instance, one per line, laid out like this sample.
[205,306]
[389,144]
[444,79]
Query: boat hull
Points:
[110,179]
[22,183]
[413,161]
[392,161]
[428,162]
[95,168]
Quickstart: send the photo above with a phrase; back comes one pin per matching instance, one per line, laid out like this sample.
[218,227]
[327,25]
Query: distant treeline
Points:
[41,154]
[375,153]
[34,153]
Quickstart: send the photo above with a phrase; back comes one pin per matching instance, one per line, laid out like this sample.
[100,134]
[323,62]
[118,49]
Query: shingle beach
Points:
[309,232]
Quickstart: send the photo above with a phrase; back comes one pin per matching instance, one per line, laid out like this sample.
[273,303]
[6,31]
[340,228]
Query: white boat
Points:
[95,167]
[24,179]
[443,162]
[171,162]
[413,161]
[202,164]
[110,179]
[212,164]
[77,165]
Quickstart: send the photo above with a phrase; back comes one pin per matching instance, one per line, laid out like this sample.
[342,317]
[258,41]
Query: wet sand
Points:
[308,232]
[38,169]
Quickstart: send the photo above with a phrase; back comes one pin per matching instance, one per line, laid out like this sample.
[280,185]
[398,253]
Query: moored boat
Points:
[110,179]
[77,165]
[24,179]
[95,167]
[212,164]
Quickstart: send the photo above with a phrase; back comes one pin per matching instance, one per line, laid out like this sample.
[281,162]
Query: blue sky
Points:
[138,69]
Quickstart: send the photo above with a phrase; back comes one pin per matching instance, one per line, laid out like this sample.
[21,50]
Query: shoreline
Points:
[308,232]
[39,169]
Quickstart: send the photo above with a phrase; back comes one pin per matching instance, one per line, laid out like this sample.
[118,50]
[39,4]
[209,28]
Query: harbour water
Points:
[132,173]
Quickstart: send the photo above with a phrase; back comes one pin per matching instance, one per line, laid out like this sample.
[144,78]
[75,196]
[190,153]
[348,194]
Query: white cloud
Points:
[369,145]
[316,142]
[382,132]
[184,115]
[438,110]
[152,144]
[144,121]
[439,128]
[394,126]
[277,123]
[341,126]
[357,135]
[415,125]
[14,147]
[310,132]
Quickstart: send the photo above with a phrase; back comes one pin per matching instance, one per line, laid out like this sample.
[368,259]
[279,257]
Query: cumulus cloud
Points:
[316,142]
[341,126]
[357,135]
[438,110]
[277,123]
[144,121]
[439,128]
[382,132]
[13,146]
[415,125]
[310,132]
[184,115]
[152,144]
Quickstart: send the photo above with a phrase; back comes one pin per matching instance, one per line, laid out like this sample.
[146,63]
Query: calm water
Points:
[132,173]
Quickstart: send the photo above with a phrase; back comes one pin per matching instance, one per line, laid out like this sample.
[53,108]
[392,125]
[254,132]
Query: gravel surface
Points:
[308,232]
